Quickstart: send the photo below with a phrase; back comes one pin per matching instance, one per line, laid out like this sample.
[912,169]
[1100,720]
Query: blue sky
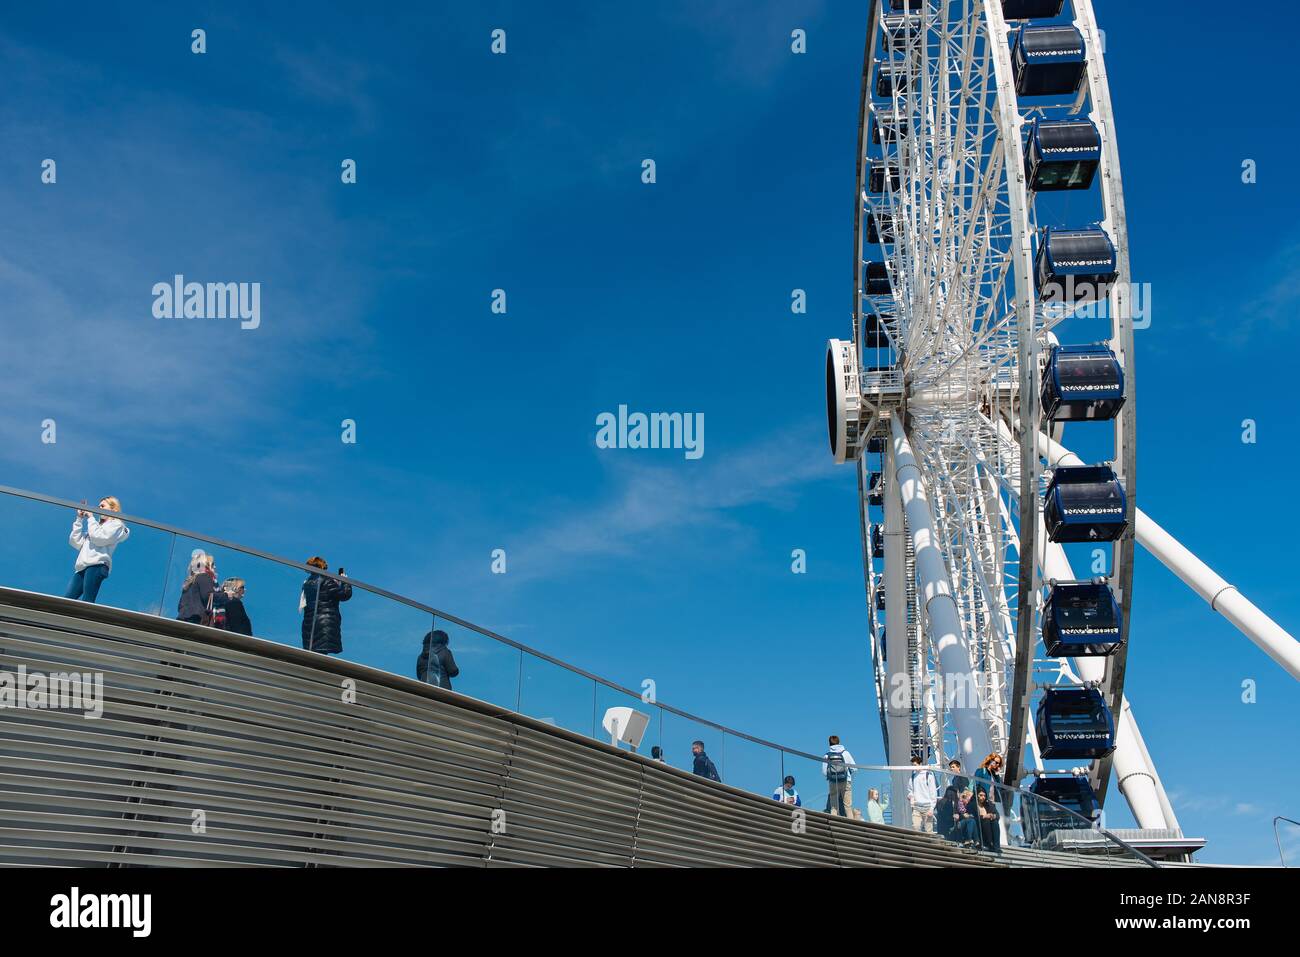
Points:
[476,430]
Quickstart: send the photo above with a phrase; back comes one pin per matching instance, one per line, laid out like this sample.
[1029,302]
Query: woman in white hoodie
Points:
[94,544]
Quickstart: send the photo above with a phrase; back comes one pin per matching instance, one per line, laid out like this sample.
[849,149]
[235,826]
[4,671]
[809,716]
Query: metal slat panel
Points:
[258,736]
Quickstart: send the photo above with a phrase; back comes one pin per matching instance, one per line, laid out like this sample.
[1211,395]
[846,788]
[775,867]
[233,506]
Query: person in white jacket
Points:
[923,795]
[94,543]
[837,768]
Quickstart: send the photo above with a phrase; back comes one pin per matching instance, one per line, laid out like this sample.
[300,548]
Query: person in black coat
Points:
[228,610]
[704,765]
[436,666]
[322,622]
[195,605]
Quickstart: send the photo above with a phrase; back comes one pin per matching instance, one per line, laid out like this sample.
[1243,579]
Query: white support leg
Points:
[941,612]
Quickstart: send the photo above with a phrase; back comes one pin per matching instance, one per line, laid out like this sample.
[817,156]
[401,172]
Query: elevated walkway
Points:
[218,750]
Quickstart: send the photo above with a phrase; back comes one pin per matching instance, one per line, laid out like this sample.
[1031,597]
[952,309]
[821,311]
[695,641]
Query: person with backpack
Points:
[94,547]
[786,793]
[228,610]
[704,765]
[923,796]
[436,666]
[195,604]
[322,621]
[839,778]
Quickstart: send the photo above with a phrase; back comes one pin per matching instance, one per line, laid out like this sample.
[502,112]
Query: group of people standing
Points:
[205,602]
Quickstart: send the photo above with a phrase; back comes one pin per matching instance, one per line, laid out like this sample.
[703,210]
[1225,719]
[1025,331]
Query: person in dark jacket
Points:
[195,605]
[986,822]
[322,622]
[436,666]
[945,813]
[704,765]
[228,608]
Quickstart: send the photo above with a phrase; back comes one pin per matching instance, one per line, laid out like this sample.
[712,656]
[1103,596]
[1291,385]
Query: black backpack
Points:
[837,771]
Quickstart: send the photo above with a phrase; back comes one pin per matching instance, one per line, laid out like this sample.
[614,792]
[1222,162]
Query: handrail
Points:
[435,613]
[392,596]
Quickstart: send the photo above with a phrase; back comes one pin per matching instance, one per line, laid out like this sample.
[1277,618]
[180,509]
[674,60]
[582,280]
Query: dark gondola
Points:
[1075,265]
[880,228]
[892,77]
[879,170]
[878,280]
[876,445]
[1085,503]
[1049,61]
[877,541]
[1082,384]
[886,125]
[1062,154]
[905,4]
[880,599]
[1082,620]
[1073,793]
[1031,9]
[874,333]
[899,27]
[875,490]
[1074,723]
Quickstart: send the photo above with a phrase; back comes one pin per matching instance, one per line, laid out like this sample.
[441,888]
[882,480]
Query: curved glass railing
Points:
[386,631]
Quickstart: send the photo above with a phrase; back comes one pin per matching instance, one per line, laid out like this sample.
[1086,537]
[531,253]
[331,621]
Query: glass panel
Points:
[678,736]
[558,696]
[37,555]
[489,669]
[270,590]
[750,766]
[809,780]
[386,634]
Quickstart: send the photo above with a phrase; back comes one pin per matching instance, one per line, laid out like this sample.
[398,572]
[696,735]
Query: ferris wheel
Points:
[992,325]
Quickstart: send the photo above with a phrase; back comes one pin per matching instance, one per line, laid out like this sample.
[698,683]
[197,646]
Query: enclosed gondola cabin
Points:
[1031,9]
[874,334]
[876,445]
[905,4]
[886,125]
[880,599]
[1082,620]
[1072,793]
[1074,723]
[880,228]
[1085,503]
[899,28]
[875,490]
[892,77]
[877,541]
[880,169]
[878,280]
[1049,61]
[1082,384]
[1062,154]
[1075,265]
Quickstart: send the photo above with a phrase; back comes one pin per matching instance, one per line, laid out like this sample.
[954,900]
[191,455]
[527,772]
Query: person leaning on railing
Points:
[94,546]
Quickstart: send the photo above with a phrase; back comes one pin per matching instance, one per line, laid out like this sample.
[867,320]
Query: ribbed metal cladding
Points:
[259,738]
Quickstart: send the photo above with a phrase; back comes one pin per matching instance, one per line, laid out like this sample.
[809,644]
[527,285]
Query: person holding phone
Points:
[94,543]
[322,621]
